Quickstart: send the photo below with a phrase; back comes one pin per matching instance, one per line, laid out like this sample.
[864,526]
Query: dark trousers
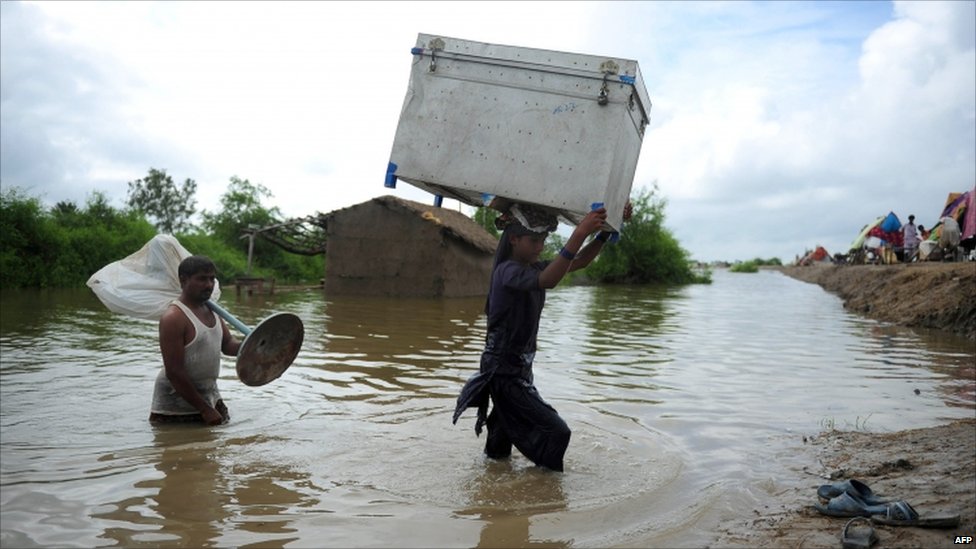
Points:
[189,418]
[521,418]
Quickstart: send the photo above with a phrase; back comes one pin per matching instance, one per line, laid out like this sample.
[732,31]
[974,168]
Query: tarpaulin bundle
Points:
[891,223]
[859,241]
[894,238]
[969,217]
[962,208]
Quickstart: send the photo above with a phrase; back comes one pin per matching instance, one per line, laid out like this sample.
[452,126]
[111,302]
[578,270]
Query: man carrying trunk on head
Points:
[516,296]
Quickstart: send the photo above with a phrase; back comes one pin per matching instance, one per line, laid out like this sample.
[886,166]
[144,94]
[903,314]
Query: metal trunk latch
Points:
[608,67]
[434,45]
[604,96]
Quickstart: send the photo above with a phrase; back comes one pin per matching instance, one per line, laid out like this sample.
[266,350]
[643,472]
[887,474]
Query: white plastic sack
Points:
[950,235]
[144,284]
[925,249]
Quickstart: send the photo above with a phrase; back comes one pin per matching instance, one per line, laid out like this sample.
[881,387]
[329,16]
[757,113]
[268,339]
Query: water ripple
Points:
[675,396]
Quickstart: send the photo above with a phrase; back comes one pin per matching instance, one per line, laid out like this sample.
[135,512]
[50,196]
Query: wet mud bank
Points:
[939,296]
[933,469]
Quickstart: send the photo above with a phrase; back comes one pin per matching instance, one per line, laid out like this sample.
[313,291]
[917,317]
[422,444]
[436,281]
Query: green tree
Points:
[554,243]
[771,261]
[65,208]
[745,267]
[96,236]
[647,252]
[26,240]
[752,265]
[64,246]
[169,205]
[485,217]
[241,209]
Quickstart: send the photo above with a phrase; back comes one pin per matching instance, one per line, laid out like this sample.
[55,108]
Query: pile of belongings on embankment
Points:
[953,235]
[818,255]
[883,234]
[956,230]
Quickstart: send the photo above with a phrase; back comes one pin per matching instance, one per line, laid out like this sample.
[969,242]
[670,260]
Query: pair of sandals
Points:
[853,498]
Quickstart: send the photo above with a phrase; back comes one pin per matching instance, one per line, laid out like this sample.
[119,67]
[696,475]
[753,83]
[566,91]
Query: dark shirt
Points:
[515,303]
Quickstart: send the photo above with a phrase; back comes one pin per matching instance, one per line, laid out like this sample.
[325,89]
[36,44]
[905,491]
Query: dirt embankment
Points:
[933,469]
[933,295]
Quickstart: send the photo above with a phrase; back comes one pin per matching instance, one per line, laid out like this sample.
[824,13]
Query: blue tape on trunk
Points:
[438,200]
[391,178]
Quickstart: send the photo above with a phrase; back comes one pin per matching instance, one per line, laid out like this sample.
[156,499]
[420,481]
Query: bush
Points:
[744,267]
[65,246]
[773,261]
[231,263]
[242,209]
[647,252]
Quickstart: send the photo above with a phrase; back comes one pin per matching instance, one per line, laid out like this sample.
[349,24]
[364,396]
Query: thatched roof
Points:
[453,223]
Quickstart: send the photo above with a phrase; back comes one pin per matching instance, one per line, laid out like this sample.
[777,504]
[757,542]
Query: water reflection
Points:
[378,347]
[190,500]
[507,499]
[903,353]
[642,309]
[31,311]
[619,333]
[385,330]
[199,500]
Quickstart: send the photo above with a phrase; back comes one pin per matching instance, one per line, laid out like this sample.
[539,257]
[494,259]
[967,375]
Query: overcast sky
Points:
[775,126]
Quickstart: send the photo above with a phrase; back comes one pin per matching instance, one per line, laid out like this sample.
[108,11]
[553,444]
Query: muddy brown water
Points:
[688,407]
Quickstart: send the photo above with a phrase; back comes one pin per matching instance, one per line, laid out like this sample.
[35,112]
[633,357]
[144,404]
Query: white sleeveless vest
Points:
[202,363]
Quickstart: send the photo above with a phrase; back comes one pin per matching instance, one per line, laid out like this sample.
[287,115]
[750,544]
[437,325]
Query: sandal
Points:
[846,505]
[900,513]
[861,537]
[853,487]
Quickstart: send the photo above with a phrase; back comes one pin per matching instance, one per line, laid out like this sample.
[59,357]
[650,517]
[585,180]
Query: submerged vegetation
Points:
[752,266]
[744,267]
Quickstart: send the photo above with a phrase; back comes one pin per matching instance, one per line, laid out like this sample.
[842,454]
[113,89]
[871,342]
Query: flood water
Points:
[688,407]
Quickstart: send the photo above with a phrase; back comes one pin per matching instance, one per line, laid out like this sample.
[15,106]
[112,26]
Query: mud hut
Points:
[389,246]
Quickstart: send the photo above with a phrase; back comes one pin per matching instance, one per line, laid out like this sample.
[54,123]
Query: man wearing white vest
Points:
[191,338]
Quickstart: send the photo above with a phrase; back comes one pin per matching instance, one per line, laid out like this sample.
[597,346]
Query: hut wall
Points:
[466,271]
[376,250]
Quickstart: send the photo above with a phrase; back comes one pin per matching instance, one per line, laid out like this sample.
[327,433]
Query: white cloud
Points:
[267,90]
[792,136]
